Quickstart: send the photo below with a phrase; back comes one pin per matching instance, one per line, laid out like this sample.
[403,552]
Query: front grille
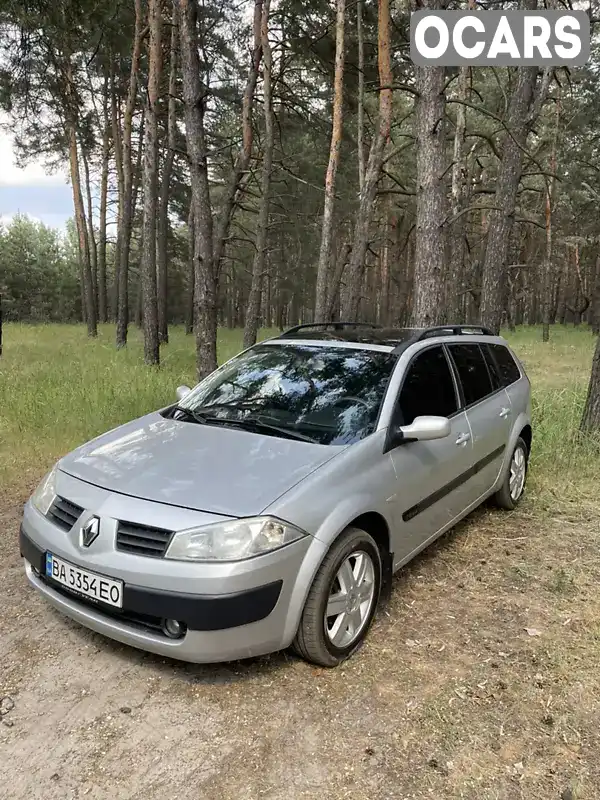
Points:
[142,540]
[64,513]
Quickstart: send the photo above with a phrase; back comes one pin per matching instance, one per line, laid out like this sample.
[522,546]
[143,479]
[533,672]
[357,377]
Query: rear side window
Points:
[507,367]
[497,381]
[428,387]
[472,371]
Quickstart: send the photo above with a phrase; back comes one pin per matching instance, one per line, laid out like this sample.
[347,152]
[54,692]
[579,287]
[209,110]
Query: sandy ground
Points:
[481,679]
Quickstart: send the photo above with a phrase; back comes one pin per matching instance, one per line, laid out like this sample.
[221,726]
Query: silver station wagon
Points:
[272,503]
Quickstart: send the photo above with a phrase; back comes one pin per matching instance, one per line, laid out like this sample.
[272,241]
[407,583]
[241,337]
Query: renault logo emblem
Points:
[90,531]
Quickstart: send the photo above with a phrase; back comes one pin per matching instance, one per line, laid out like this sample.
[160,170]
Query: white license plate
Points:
[89,584]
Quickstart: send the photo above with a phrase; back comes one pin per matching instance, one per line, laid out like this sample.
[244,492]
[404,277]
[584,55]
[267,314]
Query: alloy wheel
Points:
[518,468]
[350,599]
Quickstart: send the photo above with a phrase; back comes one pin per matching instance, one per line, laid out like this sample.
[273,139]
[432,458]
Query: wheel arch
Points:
[527,435]
[376,525]
[347,515]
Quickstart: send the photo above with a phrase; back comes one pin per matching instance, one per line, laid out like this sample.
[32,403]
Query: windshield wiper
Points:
[242,405]
[190,413]
[242,422]
[259,426]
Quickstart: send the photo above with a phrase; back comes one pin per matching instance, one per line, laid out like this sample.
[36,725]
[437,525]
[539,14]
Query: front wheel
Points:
[342,600]
[511,490]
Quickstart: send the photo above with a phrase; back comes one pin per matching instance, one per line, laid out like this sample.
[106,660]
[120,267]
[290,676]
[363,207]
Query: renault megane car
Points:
[271,504]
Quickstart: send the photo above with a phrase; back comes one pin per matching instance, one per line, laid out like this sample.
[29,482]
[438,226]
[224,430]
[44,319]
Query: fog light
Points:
[173,628]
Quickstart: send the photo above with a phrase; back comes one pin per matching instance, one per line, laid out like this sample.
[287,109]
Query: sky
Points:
[30,190]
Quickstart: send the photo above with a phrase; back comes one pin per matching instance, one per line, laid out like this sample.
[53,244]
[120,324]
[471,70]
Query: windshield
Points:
[329,395]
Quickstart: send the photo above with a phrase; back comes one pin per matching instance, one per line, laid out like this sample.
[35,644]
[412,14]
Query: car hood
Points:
[204,467]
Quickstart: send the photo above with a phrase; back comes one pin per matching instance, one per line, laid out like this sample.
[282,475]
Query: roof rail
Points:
[336,326]
[453,330]
[440,330]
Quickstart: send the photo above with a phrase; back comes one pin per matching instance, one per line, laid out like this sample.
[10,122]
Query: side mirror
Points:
[425,429]
[182,391]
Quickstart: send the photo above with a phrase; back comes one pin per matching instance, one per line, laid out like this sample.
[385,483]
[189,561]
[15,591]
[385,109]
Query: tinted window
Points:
[428,387]
[509,371]
[497,381]
[331,395]
[472,371]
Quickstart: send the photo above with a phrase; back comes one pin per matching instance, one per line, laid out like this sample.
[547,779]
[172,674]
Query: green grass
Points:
[564,463]
[58,389]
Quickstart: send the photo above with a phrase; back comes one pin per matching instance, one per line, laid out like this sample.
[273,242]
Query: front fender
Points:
[334,524]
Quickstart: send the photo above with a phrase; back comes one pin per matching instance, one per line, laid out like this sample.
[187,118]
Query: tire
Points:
[314,639]
[504,498]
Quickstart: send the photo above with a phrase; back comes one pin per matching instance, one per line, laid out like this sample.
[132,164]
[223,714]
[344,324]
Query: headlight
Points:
[45,493]
[232,541]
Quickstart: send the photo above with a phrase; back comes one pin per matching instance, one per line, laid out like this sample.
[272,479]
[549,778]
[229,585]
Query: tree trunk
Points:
[360,115]
[163,214]
[595,308]
[148,259]
[505,198]
[125,222]
[334,283]
[323,269]
[102,298]
[139,164]
[430,245]
[590,422]
[360,242]
[206,284]
[258,263]
[189,318]
[82,234]
[90,228]
[406,284]
[550,202]
[118,150]
[456,268]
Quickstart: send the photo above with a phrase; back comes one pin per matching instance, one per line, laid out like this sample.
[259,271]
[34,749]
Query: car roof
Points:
[394,340]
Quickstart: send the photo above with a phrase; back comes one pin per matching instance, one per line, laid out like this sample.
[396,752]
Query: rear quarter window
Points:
[508,370]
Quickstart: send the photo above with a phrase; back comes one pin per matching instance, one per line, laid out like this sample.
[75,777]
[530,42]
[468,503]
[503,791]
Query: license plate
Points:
[81,581]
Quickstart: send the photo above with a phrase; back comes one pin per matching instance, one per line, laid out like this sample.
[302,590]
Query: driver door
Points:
[432,476]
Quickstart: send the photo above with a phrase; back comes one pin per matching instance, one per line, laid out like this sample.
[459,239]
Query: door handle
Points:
[504,413]
[463,438]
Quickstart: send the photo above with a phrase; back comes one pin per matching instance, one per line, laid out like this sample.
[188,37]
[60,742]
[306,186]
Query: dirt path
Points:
[451,697]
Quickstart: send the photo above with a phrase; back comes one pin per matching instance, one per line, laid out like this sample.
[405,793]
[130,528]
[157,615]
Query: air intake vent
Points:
[64,513]
[142,540]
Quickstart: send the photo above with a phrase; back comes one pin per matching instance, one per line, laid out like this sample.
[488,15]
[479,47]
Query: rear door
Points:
[432,476]
[488,409]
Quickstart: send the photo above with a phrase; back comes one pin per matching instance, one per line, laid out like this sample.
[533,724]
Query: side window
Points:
[497,381]
[509,371]
[472,371]
[428,387]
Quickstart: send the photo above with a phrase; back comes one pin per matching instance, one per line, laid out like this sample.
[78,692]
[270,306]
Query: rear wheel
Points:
[511,490]
[342,600]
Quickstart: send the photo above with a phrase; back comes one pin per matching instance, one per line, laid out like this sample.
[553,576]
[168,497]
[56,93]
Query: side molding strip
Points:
[439,494]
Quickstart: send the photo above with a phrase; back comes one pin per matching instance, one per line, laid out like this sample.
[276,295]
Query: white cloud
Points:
[34,174]
[6,219]
[57,221]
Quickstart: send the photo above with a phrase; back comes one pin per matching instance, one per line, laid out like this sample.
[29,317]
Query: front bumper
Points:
[198,612]
[231,611]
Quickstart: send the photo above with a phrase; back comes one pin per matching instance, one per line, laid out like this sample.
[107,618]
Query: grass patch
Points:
[59,389]
[564,464]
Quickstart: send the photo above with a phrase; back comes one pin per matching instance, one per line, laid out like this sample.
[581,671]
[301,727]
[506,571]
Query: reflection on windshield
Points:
[331,395]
